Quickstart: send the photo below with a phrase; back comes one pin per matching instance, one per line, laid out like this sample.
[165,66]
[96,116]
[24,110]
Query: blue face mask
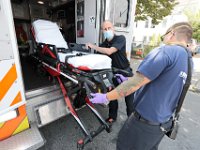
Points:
[108,35]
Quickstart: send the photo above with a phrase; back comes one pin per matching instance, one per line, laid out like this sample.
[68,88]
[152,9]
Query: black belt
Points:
[141,119]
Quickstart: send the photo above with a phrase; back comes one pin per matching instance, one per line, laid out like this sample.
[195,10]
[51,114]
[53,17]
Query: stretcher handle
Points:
[78,47]
[121,71]
[90,83]
[88,91]
[89,48]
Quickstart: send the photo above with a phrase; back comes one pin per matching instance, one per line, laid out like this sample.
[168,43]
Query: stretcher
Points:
[88,72]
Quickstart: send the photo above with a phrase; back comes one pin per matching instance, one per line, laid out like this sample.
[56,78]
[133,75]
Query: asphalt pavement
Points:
[65,132]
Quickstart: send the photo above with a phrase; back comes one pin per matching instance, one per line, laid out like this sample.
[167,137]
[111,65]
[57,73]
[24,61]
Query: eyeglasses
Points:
[162,37]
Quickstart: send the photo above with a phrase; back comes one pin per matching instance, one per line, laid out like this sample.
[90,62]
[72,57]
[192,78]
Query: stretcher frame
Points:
[57,70]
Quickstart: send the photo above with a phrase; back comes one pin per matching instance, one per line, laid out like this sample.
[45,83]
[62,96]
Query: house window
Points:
[146,23]
[144,39]
[133,38]
[121,13]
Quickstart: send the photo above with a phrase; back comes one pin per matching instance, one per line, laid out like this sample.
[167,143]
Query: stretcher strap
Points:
[89,102]
[58,68]
[33,33]
[73,112]
[85,68]
[67,100]
[45,49]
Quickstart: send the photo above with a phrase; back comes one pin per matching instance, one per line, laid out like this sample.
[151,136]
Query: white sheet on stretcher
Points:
[48,32]
[91,61]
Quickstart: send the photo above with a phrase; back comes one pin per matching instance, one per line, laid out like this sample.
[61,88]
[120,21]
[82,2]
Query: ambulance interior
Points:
[47,98]
[25,12]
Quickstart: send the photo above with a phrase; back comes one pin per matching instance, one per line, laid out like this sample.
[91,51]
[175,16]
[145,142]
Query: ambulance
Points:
[26,98]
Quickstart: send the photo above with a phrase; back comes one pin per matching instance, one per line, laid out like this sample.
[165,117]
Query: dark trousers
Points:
[137,135]
[113,105]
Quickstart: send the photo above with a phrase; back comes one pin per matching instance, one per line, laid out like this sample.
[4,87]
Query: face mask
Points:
[108,35]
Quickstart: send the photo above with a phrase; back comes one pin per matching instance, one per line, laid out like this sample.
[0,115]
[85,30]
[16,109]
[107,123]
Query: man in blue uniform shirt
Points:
[158,83]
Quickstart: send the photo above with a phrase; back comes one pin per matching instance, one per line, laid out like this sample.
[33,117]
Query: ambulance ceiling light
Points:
[40,2]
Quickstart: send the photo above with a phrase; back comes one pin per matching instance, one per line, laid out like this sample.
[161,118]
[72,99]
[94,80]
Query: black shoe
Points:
[110,120]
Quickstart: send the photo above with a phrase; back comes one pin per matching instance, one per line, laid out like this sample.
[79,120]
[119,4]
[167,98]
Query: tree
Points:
[155,9]
[155,40]
[196,32]
[194,20]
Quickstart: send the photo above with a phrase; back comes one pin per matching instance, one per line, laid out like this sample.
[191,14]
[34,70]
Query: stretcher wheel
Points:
[80,144]
[109,129]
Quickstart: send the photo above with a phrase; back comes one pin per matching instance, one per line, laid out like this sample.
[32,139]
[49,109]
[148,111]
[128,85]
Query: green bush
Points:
[155,42]
[147,49]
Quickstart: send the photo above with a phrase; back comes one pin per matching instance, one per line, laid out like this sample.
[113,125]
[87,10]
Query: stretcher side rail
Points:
[78,47]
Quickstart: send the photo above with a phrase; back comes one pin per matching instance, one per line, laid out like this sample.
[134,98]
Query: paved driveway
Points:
[63,134]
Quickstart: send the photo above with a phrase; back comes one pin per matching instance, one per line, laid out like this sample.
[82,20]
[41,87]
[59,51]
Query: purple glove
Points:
[99,98]
[121,78]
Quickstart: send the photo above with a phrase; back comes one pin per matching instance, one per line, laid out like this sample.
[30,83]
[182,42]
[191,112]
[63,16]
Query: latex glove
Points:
[121,78]
[99,98]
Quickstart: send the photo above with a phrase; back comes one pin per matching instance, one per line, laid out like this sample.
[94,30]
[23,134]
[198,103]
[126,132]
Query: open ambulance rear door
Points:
[13,116]
[90,15]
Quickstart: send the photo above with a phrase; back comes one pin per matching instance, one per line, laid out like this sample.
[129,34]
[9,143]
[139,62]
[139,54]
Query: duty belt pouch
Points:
[172,133]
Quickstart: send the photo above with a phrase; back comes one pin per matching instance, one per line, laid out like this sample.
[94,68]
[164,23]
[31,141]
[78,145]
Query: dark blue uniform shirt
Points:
[166,67]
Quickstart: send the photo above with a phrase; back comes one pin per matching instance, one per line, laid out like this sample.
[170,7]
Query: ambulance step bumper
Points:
[30,139]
